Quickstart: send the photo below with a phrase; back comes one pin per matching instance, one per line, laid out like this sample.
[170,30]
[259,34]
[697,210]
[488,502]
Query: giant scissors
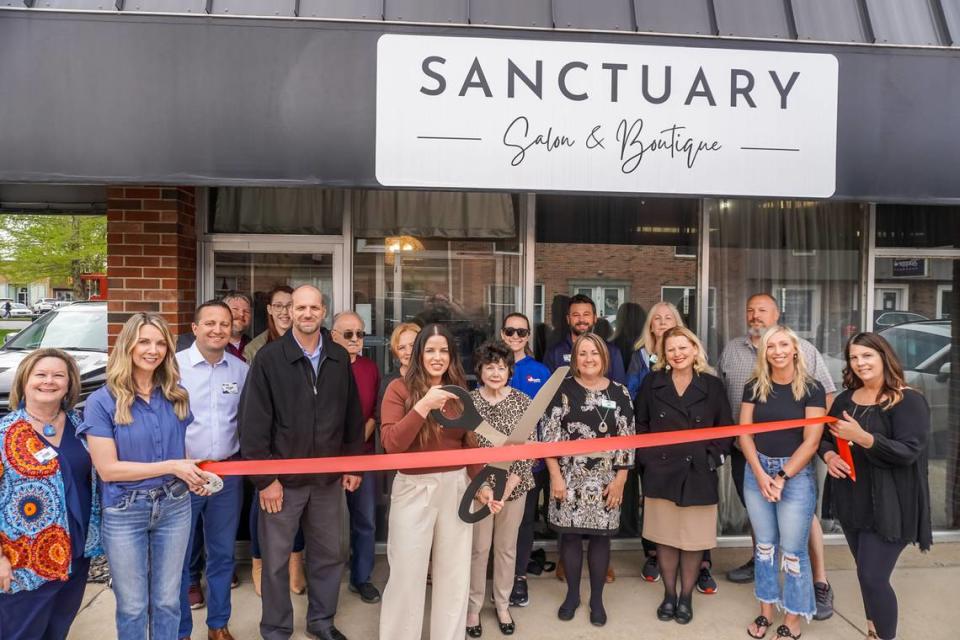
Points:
[470,420]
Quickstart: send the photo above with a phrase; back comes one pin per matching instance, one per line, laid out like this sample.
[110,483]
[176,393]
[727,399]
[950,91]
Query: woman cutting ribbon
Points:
[501,406]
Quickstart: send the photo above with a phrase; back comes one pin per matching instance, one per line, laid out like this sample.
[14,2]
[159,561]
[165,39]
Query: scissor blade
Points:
[528,422]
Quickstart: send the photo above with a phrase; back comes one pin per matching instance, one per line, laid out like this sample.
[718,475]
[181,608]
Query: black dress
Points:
[891,495]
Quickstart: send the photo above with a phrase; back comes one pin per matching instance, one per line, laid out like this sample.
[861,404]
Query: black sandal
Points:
[760,621]
[783,631]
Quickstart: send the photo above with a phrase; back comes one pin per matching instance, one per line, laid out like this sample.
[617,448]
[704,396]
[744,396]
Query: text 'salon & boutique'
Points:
[455,162]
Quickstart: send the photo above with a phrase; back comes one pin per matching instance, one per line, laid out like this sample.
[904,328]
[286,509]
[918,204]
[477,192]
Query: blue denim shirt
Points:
[156,434]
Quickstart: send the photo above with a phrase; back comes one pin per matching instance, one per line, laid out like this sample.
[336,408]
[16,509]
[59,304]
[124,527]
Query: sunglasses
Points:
[512,331]
[350,334]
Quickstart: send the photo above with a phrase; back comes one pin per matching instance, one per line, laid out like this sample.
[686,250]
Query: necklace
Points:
[866,412]
[49,430]
[603,416]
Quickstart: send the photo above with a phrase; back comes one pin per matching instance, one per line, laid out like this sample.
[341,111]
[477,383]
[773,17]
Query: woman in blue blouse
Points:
[135,427]
[49,503]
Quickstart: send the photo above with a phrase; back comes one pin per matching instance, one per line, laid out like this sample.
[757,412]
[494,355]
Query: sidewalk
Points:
[924,582]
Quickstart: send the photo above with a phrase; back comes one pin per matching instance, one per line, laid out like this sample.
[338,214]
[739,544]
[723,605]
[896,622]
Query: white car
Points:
[44,304]
[18,310]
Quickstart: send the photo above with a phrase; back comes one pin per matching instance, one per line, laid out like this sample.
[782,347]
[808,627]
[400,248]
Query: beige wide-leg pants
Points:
[423,518]
[500,530]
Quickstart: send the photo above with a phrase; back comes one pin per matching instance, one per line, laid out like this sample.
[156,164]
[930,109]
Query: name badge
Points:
[607,403]
[230,387]
[566,358]
[45,455]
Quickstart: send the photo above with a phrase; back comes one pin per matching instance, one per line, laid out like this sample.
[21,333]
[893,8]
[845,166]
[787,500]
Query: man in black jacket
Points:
[301,401]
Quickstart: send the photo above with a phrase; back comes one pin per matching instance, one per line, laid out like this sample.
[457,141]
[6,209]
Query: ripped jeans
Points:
[782,530]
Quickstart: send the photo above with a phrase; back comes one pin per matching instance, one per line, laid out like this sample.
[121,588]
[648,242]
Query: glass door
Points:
[255,268]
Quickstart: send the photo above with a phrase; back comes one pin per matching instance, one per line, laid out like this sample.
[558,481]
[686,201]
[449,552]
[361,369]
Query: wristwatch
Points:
[783,474]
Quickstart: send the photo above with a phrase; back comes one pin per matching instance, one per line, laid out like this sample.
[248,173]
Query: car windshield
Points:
[914,347]
[64,330]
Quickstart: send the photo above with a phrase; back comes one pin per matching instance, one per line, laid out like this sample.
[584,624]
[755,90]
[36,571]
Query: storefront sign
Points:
[571,116]
[909,267]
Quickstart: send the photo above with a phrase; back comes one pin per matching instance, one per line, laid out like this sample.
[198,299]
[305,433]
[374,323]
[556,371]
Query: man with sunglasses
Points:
[348,332]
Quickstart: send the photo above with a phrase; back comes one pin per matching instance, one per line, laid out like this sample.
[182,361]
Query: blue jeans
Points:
[362,504]
[145,536]
[220,514]
[783,527]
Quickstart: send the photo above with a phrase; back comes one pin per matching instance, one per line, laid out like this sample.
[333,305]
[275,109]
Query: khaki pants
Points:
[500,530]
[423,518]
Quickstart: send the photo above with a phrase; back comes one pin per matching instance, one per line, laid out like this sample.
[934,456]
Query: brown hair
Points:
[418,381]
[492,352]
[891,392]
[272,333]
[516,314]
[26,368]
[601,346]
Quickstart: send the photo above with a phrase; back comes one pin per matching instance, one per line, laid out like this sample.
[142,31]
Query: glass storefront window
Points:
[807,256]
[625,253]
[914,309]
[435,257]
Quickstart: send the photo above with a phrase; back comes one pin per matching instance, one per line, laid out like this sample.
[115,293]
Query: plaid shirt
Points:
[739,358]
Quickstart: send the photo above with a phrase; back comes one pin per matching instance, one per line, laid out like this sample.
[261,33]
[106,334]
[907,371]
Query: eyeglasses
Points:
[511,331]
[350,334]
[276,306]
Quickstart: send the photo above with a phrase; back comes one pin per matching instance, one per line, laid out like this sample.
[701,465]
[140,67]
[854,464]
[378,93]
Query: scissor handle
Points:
[500,478]
[468,420]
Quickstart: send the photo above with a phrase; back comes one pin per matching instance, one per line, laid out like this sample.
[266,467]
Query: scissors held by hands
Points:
[471,420]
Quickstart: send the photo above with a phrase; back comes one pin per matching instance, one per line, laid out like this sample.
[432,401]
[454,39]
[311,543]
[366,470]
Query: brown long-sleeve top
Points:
[399,429]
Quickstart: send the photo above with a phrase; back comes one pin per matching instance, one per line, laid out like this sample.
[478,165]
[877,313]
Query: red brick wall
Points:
[151,255]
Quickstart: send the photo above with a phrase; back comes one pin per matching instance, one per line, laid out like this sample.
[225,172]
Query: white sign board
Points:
[535,115]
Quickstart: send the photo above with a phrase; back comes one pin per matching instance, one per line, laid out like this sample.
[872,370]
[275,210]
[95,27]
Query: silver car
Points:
[924,350]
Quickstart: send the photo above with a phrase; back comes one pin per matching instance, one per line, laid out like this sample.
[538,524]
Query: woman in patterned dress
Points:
[49,501]
[587,490]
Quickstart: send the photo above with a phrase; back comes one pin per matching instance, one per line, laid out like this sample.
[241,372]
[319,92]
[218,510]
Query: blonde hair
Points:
[398,331]
[647,340]
[26,368]
[601,346]
[120,369]
[762,380]
[700,364]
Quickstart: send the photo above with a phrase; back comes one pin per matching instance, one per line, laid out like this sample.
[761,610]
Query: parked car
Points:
[43,305]
[924,349]
[79,329]
[884,319]
[19,310]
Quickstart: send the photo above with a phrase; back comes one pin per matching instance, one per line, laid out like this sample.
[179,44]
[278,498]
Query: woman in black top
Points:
[780,485]
[680,481]
[887,507]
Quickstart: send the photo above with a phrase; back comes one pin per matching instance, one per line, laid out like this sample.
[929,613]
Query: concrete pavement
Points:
[925,585]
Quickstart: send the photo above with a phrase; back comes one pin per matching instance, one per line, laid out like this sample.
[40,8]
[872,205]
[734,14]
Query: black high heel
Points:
[475,632]
[507,628]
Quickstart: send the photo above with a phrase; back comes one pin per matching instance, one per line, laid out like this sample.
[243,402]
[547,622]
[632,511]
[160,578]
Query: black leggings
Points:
[541,483]
[598,559]
[875,560]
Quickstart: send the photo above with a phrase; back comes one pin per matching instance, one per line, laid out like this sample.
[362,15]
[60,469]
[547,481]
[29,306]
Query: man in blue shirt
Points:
[214,380]
[581,318]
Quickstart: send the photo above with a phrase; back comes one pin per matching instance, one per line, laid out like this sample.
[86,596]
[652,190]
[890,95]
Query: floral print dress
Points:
[578,413]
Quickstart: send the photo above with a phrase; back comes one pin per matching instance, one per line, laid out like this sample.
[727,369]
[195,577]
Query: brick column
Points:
[151,255]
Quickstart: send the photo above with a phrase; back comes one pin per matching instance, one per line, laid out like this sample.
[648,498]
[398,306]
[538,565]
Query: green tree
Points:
[60,247]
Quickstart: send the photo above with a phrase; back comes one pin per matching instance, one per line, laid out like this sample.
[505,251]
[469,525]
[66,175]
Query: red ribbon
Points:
[485,455]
